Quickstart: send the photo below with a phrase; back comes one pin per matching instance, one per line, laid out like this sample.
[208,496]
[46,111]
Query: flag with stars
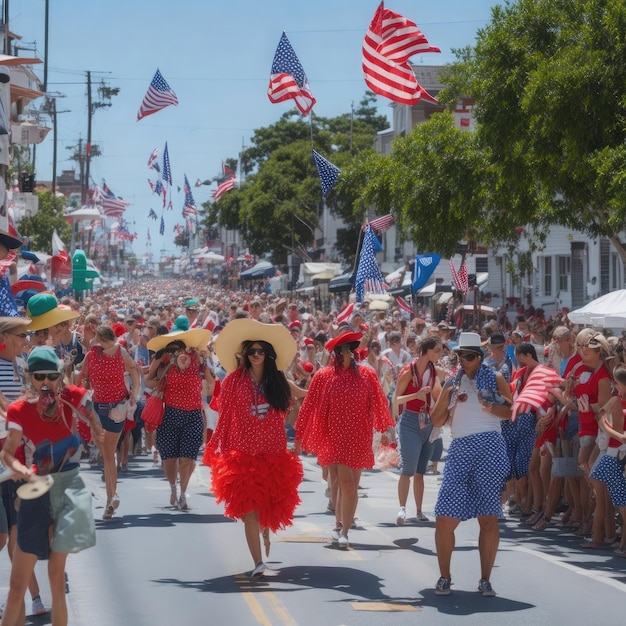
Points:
[327,172]
[158,96]
[190,207]
[167,172]
[368,275]
[8,307]
[288,80]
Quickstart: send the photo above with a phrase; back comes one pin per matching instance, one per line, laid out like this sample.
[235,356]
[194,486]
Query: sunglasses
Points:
[257,351]
[41,376]
[468,356]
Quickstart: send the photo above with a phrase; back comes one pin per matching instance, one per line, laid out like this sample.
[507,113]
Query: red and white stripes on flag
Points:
[383,223]
[222,188]
[346,313]
[460,278]
[389,43]
[538,385]
[404,305]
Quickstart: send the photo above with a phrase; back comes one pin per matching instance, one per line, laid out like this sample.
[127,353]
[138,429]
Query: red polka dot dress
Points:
[339,414]
[251,468]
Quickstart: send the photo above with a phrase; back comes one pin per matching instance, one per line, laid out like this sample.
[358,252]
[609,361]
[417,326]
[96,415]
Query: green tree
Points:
[39,227]
[277,206]
[548,79]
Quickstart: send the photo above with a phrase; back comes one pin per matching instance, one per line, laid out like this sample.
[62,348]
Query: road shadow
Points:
[160,520]
[463,603]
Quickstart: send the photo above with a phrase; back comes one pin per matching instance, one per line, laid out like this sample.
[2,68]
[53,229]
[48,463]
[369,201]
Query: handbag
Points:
[152,414]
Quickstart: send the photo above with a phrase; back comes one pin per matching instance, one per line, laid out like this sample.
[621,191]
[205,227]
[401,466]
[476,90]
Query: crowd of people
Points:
[535,409]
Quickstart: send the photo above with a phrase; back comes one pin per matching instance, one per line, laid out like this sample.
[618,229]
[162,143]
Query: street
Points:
[157,566]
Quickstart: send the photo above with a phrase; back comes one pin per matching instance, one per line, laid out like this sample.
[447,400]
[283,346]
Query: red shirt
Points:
[106,375]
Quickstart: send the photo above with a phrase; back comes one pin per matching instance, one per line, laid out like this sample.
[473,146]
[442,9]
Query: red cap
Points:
[295,324]
[307,366]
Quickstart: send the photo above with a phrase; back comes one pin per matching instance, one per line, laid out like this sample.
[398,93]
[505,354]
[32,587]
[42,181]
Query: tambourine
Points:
[36,487]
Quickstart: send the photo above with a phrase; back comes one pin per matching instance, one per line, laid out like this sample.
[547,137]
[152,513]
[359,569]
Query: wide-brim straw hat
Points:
[45,312]
[229,342]
[192,338]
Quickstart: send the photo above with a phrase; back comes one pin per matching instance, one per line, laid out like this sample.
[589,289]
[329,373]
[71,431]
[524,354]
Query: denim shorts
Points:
[107,423]
[415,449]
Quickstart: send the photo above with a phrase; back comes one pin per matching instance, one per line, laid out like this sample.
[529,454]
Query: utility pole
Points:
[50,107]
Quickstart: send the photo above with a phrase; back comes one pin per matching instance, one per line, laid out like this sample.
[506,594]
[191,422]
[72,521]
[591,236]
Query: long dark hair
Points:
[277,389]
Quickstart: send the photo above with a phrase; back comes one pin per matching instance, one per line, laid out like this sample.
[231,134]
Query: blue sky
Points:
[216,56]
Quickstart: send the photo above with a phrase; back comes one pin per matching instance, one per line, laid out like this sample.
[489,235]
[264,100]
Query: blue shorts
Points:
[107,423]
[524,444]
[473,477]
[415,450]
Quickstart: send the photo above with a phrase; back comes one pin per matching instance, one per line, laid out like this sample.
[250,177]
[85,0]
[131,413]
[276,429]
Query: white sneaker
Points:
[343,541]
[335,533]
[401,517]
[38,607]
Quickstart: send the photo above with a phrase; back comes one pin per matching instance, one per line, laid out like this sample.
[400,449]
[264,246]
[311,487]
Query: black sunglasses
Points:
[40,376]
[258,351]
[468,356]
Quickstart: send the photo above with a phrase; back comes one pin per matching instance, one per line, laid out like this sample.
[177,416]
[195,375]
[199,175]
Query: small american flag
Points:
[389,43]
[368,275]
[288,80]
[460,278]
[345,313]
[383,223]
[153,162]
[190,207]
[167,172]
[158,96]
[152,215]
[327,172]
[227,185]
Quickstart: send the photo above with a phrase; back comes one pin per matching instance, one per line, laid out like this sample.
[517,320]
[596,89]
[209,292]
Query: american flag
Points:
[158,96]
[404,305]
[383,223]
[162,226]
[327,172]
[152,185]
[190,207]
[110,204]
[152,215]
[460,278]
[345,313]
[8,306]
[227,171]
[389,43]
[288,80]
[167,172]
[535,392]
[227,185]
[153,161]
[368,276]
[425,265]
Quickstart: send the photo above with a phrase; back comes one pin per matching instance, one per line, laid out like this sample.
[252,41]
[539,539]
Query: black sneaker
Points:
[485,588]
[442,588]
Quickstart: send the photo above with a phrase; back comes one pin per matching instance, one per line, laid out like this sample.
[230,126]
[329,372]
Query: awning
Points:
[18,92]
[7,59]
[341,283]
[263,269]
[324,276]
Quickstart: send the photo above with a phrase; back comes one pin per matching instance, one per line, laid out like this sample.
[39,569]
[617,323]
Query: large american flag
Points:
[389,43]
[190,207]
[158,96]
[368,275]
[288,80]
[327,172]
[227,185]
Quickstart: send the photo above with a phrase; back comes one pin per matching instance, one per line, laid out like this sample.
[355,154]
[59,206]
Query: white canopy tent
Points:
[607,311]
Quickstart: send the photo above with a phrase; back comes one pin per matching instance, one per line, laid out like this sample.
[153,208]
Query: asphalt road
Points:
[156,566]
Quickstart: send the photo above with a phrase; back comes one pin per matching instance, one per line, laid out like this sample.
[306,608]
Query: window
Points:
[564,272]
[547,276]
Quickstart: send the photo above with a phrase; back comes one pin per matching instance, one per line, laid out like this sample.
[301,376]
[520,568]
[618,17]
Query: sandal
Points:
[593,545]
[542,524]
[533,519]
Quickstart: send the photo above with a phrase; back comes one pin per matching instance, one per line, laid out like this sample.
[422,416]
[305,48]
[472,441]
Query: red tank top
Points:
[416,382]
[106,375]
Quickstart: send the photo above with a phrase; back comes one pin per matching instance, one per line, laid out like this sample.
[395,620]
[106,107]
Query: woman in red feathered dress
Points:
[343,406]
[251,469]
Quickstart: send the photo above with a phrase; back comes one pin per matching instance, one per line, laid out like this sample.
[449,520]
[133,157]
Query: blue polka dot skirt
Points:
[609,471]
